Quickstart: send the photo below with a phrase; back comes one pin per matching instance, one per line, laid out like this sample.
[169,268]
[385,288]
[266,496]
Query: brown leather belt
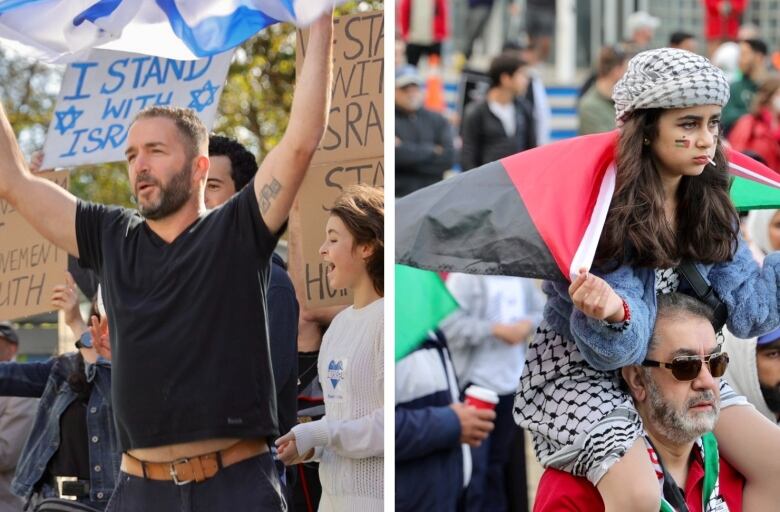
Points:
[194,469]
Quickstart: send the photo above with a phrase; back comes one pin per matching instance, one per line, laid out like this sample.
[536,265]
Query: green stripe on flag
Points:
[421,302]
[752,195]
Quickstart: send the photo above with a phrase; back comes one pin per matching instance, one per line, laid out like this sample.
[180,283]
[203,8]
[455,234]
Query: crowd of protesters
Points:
[183,392]
[472,459]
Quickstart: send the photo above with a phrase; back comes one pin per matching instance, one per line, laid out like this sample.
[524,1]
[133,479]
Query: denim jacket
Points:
[751,295]
[49,381]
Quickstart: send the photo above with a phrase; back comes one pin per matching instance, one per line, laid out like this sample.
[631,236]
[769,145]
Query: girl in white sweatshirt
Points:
[348,440]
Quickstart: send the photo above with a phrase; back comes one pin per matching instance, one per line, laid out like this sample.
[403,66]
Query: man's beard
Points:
[772,397]
[678,425]
[172,196]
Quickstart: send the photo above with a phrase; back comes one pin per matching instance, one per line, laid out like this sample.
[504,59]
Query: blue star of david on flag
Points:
[72,115]
[208,90]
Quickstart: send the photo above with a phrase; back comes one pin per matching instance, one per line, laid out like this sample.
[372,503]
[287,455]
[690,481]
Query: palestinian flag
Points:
[421,302]
[755,186]
[537,214]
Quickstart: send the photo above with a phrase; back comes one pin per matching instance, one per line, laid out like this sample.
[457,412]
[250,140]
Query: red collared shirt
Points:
[559,491]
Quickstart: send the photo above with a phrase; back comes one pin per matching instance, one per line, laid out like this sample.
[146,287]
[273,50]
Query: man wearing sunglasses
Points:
[676,393]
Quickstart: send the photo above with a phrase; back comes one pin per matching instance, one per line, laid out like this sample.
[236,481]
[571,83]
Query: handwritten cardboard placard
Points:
[323,184]
[353,146]
[100,96]
[355,127]
[30,265]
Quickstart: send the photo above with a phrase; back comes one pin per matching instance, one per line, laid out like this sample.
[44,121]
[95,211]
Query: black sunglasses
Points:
[685,368]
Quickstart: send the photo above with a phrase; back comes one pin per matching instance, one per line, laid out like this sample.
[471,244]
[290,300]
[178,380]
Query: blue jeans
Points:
[250,485]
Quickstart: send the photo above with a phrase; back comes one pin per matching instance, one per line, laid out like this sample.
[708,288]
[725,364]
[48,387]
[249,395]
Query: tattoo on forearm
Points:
[268,192]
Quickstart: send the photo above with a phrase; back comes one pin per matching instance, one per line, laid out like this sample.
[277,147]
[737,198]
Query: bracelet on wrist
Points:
[626,311]
[621,325]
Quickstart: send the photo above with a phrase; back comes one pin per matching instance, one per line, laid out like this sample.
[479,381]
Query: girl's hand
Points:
[288,450]
[594,297]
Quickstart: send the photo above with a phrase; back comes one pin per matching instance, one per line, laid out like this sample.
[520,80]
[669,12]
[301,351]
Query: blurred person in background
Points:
[753,66]
[596,111]
[726,57]
[503,123]
[477,17]
[640,30]
[762,231]
[423,139]
[488,336]
[721,21]
[537,94]
[540,25]
[683,41]
[754,370]
[70,460]
[433,430]
[424,26]
[748,31]
[16,421]
[759,130]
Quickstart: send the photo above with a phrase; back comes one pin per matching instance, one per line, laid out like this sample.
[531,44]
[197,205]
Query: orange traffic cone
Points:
[434,86]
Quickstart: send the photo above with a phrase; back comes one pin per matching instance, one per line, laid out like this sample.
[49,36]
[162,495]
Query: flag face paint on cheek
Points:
[682,143]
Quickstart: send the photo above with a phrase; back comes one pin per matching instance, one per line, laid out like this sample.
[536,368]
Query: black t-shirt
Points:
[72,456]
[188,322]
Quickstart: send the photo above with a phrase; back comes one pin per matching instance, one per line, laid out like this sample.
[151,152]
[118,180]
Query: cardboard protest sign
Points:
[356,111]
[30,265]
[323,184]
[352,149]
[100,96]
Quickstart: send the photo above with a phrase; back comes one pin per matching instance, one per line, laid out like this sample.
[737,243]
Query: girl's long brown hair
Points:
[636,230]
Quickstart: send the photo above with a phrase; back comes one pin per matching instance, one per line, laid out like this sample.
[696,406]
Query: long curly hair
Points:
[637,231]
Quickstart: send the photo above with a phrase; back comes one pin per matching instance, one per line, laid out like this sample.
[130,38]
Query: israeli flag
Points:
[63,30]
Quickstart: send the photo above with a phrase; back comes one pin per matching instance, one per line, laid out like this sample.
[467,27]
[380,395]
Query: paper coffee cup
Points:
[481,398]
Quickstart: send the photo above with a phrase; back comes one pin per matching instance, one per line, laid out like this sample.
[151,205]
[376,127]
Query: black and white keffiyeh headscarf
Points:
[668,78]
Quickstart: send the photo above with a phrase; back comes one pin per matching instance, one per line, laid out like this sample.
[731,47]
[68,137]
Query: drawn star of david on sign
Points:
[72,115]
[208,90]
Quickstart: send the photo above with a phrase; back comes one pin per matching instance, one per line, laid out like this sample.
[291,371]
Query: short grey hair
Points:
[679,305]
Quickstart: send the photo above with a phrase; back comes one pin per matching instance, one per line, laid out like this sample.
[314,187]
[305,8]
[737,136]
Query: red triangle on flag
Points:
[745,167]
[561,185]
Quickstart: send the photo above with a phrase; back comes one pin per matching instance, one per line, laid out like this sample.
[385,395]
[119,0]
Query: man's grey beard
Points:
[678,426]
[172,196]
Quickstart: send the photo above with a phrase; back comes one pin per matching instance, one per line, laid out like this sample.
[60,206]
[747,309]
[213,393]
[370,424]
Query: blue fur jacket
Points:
[749,292]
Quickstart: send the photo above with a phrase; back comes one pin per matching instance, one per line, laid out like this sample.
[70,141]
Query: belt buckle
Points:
[59,481]
[175,476]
